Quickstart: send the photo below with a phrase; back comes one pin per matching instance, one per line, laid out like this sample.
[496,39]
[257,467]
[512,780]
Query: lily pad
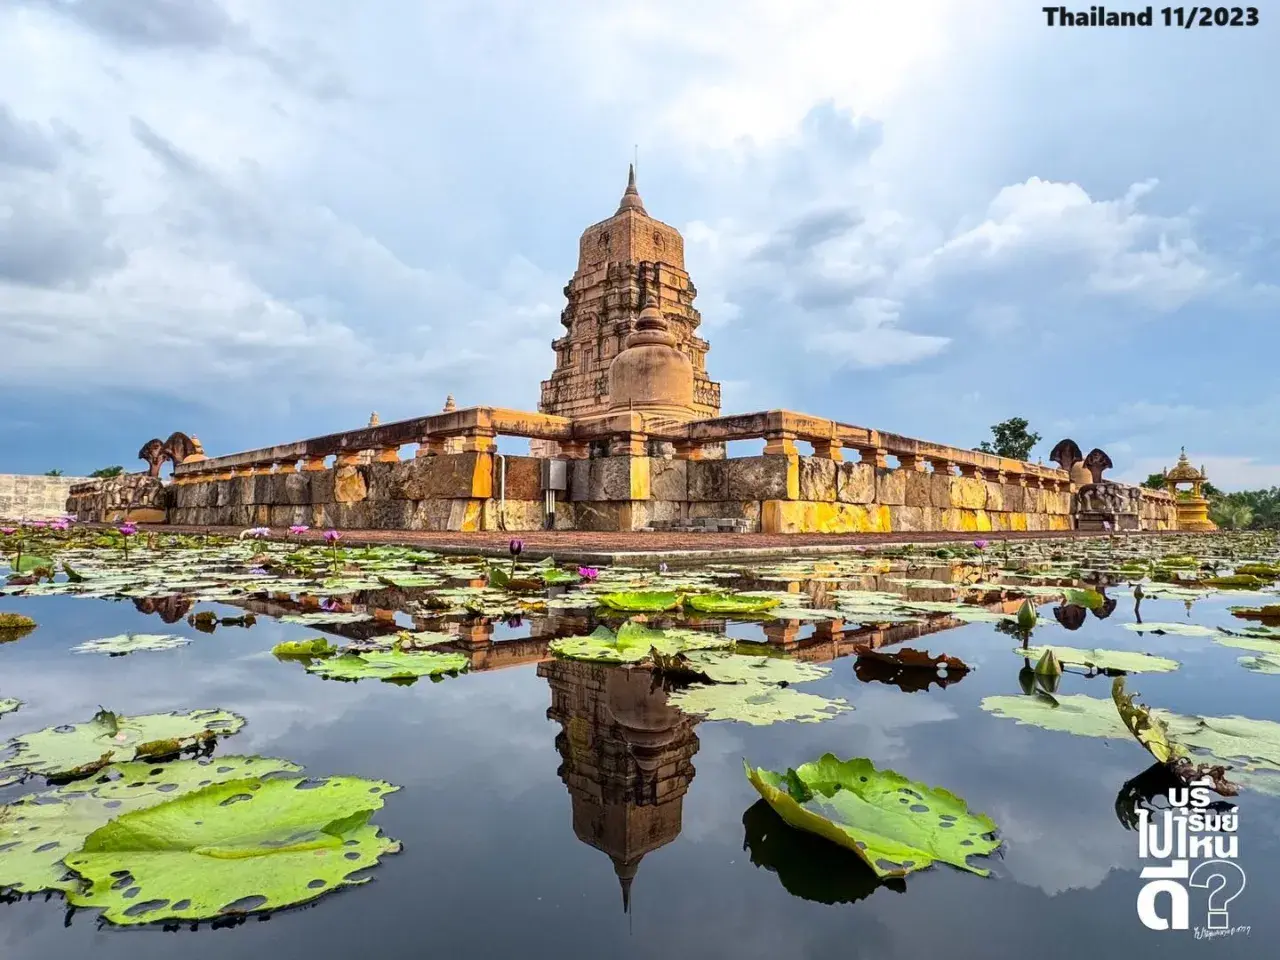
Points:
[725,667]
[389,665]
[758,704]
[1070,713]
[1104,659]
[729,603]
[1089,599]
[642,601]
[75,750]
[634,643]
[8,705]
[229,848]
[37,831]
[897,826]
[1180,629]
[304,649]
[1266,663]
[131,643]
[311,619]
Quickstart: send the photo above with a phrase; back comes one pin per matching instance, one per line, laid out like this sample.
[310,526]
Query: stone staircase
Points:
[701,525]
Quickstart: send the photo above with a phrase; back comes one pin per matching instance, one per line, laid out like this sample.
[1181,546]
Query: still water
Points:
[562,809]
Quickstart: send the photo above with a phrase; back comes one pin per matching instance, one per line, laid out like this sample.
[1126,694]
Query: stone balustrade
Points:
[629,471]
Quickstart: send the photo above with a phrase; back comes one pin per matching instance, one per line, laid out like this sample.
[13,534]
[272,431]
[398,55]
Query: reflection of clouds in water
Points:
[882,713]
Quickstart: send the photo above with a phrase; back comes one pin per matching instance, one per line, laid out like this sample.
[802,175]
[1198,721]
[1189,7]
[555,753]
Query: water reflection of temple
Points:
[626,757]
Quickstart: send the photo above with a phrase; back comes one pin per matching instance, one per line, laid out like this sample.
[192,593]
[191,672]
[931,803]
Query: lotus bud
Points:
[1049,665]
[1027,615]
[1048,684]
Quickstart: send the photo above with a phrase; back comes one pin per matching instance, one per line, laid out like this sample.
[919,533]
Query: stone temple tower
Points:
[624,263]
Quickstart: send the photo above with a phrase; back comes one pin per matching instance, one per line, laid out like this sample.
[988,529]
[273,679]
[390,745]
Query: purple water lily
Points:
[298,529]
[516,546]
[332,536]
[258,533]
[588,573]
[980,544]
[128,528]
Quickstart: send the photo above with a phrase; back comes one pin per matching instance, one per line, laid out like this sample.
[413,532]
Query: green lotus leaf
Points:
[1103,659]
[758,704]
[1082,715]
[80,749]
[1237,581]
[131,643]
[1181,629]
[1263,644]
[634,643]
[8,705]
[389,665]
[243,846]
[1089,599]
[554,575]
[304,649]
[38,830]
[1266,571]
[1266,663]
[896,825]
[721,666]
[1242,742]
[1268,612]
[729,603]
[408,640]
[1150,730]
[805,613]
[642,601]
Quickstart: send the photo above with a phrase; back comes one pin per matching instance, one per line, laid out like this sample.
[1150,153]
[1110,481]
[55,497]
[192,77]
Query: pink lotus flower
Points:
[128,529]
[8,531]
[980,544]
[332,536]
[38,524]
[299,528]
[588,573]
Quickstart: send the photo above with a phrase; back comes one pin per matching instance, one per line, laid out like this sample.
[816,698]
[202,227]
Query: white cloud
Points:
[874,340]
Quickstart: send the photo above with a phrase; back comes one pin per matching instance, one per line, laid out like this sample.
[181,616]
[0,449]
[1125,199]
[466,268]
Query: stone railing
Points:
[627,471]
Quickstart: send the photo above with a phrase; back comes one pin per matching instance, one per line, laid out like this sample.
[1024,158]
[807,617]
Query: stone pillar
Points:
[629,445]
[430,446]
[878,457]
[828,450]
[946,468]
[387,455]
[780,443]
[313,465]
[911,463]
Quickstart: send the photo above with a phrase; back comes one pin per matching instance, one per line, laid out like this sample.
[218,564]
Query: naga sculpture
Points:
[1097,461]
[176,449]
[1066,454]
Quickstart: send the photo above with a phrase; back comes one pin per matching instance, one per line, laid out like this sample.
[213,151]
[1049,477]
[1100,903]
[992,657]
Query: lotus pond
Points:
[271,747]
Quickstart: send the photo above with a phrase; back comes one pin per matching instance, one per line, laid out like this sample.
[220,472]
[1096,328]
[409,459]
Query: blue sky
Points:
[220,217]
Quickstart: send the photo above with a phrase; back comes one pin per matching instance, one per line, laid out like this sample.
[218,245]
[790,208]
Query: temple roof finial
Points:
[631,197]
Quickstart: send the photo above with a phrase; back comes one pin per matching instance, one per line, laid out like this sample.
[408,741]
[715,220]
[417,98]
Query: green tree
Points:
[1011,439]
[53,473]
[107,472]
[1154,482]
[1231,514]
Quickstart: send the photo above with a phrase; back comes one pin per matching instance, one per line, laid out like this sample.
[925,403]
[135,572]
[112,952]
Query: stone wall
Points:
[24,497]
[803,494]
[130,496]
[776,494]
[1158,511]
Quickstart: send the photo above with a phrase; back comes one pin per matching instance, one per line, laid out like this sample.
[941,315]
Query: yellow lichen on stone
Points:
[969,493]
[807,516]
[1018,521]
[640,486]
[482,476]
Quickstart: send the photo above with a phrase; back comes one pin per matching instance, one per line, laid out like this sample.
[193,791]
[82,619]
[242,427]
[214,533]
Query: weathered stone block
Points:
[619,478]
[602,516]
[806,516]
[322,486]
[967,492]
[726,509]
[891,487]
[995,495]
[430,514]
[855,482]
[515,515]
[759,478]
[817,478]
[284,516]
[296,489]
[222,493]
[390,514]
[524,478]
[667,511]
[349,486]
[907,519]
[353,515]
[382,479]
[1013,496]
[669,479]
[917,489]
[243,490]
[448,476]
[709,479]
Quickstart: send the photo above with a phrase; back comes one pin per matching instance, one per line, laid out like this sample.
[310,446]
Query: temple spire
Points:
[631,197]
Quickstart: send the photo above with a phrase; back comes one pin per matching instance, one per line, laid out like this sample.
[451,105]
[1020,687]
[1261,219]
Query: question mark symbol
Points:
[1229,876]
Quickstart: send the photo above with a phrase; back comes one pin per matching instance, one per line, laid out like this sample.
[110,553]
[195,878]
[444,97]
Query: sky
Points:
[222,217]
